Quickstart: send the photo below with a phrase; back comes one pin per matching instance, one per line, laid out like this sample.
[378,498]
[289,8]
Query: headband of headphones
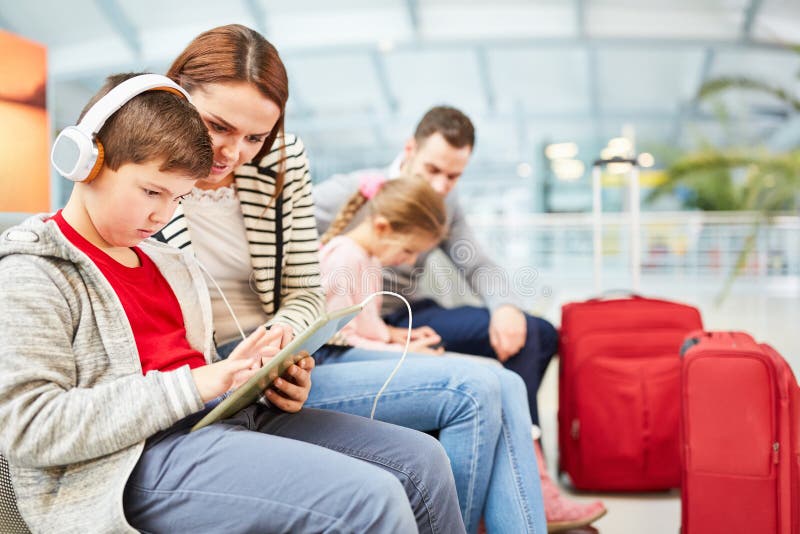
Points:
[77,154]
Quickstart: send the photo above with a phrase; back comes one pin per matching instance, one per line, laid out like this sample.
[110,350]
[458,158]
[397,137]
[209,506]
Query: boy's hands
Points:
[215,379]
[290,391]
[284,333]
[258,348]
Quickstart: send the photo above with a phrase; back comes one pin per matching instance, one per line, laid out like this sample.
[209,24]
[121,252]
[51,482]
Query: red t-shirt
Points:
[149,303]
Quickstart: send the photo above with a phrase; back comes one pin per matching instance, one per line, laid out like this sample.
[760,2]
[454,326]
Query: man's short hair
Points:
[154,126]
[454,126]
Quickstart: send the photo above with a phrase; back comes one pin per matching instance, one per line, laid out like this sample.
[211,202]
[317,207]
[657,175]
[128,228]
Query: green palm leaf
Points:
[718,85]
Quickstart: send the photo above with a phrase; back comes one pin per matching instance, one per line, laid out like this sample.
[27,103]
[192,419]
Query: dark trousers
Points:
[466,329]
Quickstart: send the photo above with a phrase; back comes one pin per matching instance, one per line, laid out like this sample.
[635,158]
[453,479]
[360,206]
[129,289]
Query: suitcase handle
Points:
[692,340]
[597,213]
[610,294]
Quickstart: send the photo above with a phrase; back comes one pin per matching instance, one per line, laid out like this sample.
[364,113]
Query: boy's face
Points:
[134,202]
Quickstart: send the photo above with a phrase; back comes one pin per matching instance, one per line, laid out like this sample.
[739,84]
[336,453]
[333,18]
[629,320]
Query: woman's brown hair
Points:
[408,204]
[236,53]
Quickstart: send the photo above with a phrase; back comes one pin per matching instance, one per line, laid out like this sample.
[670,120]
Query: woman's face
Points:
[239,118]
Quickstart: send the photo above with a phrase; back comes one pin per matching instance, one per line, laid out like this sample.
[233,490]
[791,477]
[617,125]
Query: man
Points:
[439,151]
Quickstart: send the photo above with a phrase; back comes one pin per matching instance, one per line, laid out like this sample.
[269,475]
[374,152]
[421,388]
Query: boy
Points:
[106,361]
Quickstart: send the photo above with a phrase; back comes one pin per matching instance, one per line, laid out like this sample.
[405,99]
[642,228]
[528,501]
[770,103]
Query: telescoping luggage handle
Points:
[597,221]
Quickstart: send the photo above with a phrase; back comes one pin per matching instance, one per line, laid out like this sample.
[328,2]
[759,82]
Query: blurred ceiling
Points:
[528,72]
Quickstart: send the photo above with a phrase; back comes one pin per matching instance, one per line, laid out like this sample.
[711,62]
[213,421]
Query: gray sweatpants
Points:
[314,471]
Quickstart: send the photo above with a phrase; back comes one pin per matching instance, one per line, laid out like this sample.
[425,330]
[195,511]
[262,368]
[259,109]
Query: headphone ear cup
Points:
[73,154]
[98,164]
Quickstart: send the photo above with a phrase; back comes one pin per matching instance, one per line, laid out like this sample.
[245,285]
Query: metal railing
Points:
[686,243]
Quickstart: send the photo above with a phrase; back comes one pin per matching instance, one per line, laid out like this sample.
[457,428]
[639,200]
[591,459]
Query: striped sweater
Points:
[286,251]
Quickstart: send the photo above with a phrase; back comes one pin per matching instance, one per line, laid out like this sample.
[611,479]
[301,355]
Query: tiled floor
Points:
[770,310]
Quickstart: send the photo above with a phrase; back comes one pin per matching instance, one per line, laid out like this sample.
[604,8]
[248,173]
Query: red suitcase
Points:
[619,388]
[619,380]
[740,437]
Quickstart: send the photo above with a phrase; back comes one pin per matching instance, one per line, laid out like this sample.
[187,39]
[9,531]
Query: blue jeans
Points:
[263,470]
[466,329]
[479,410]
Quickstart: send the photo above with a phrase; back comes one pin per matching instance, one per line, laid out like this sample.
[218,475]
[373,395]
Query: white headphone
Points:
[77,154]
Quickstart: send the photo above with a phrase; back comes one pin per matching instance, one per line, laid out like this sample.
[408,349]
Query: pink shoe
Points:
[561,513]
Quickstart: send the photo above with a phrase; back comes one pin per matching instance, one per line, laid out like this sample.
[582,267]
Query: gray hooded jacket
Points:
[75,409]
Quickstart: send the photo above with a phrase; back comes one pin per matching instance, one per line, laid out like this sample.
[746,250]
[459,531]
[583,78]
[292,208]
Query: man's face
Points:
[437,161]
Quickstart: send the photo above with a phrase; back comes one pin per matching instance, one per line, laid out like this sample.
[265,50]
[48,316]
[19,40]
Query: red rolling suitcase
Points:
[740,437]
[619,391]
[619,383]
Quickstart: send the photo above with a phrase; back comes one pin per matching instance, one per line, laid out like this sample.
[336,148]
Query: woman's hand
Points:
[290,391]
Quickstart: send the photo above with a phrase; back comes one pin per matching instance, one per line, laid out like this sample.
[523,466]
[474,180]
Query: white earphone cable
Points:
[405,349]
[225,300]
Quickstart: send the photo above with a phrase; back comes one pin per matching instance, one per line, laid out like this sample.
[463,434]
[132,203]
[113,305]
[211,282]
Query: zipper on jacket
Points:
[775,452]
[575,430]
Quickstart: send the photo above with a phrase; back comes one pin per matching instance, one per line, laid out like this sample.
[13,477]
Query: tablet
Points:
[310,340]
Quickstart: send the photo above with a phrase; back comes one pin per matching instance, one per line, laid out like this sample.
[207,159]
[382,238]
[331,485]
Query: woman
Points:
[260,176]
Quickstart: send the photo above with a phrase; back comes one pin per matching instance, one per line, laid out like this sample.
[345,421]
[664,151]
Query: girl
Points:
[251,223]
[406,218]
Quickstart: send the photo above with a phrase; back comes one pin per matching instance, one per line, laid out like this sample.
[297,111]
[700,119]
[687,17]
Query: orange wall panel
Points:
[24,127]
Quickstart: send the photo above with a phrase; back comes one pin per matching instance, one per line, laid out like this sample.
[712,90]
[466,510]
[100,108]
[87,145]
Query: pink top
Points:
[349,275]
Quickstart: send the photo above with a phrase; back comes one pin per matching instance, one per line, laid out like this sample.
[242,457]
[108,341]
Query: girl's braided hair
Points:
[408,204]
